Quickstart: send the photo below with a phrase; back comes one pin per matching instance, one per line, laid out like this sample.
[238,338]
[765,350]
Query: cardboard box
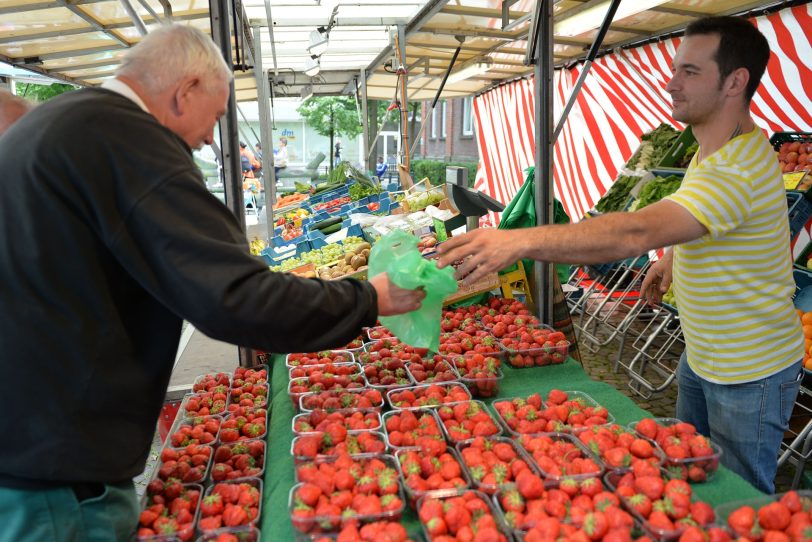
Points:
[485,284]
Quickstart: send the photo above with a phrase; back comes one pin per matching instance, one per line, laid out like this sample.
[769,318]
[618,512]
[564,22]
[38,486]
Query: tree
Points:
[331,116]
[42,93]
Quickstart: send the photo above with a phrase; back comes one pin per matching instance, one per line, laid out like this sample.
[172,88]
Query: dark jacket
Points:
[108,240]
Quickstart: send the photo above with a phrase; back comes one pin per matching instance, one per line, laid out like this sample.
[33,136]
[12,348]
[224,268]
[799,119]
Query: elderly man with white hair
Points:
[108,241]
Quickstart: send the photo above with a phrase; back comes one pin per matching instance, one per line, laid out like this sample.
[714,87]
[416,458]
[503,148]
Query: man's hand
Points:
[489,250]
[658,280]
[394,300]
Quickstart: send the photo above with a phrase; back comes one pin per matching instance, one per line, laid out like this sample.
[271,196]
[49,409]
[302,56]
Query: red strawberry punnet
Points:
[479,372]
[572,412]
[336,440]
[535,346]
[250,376]
[467,515]
[415,429]
[250,395]
[390,531]
[338,400]
[618,447]
[231,504]
[687,454]
[170,509]
[379,332]
[435,369]
[319,358]
[385,372]
[390,348]
[520,415]
[196,430]
[423,474]
[492,462]
[189,464]
[243,459]
[212,382]
[244,423]
[205,403]
[429,395]
[351,419]
[355,344]
[343,490]
[460,342]
[559,456]
[466,420]
[323,382]
[324,371]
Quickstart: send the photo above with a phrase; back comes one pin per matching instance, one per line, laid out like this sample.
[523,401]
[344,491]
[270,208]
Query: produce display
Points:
[463,516]
[561,458]
[617,196]
[492,463]
[796,155]
[653,147]
[466,420]
[289,200]
[325,357]
[170,509]
[806,323]
[352,420]
[353,260]
[230,504]
[320,256]
[414,429]
[417,201]
[480,373]
[787,516]
[687,454]
[429,475]
[237,460]
[331,204]
[430,395]
[655,190]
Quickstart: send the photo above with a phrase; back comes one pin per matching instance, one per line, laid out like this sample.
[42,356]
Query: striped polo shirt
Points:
[734,285]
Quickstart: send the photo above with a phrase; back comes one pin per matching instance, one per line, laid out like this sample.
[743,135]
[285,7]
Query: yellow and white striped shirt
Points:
[734,285]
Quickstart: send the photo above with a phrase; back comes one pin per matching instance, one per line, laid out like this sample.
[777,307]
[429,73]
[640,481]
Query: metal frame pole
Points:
[593,52]
[543,271]
[265,138]
[229,138]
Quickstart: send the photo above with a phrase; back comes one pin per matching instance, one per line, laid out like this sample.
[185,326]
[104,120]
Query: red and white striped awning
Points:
[622,98]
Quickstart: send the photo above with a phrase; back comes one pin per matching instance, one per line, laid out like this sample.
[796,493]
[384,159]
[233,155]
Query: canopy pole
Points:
[593,52]
[543,27]
[136,19]
[265,138]
[400,51]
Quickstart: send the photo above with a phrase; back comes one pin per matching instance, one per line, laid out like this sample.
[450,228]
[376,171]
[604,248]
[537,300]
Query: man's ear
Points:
[737,82]
[183,94]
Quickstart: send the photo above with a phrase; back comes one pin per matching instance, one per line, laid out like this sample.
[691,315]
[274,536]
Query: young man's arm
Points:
[607,238]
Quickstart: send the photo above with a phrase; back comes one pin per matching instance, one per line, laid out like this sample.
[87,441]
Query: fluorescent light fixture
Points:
[312,66]
[591,18]
[307,91]
[319,39]
[477,66]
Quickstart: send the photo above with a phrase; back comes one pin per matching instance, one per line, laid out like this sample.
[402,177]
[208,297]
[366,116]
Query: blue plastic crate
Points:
[319,240]
[800,209]
[276,255]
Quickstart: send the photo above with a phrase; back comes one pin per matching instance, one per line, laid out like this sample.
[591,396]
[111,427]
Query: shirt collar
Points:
[120,87]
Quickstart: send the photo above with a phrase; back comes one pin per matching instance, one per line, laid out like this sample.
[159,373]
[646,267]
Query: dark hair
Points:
[741,45]
[242,145]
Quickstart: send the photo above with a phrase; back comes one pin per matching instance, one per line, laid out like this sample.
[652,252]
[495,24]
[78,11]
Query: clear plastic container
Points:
[493,348]
[487,487]
[550,468]
[724,510]
[481,383]
[208,381]
[190,455]
[321,452]
[203,404]
[464,409]
[237,467]
[304,385]
[531,427]
[242,534]
[388,375]
[344,369]
[585,401]
[319,524]
[258,396]
[148,500]
[188,428]
[250,521]
[427,395]
[468,493]
[371,415]
[413,495]
[355,345]
[390,347]
[251,374]
[336,400]
[379,332]
[428,371]
[611,479]
[359,460]
[693,469]
[253,415]
[425,417]
[318,358]
[537,356]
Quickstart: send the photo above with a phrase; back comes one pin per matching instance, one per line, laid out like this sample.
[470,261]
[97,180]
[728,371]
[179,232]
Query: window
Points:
[434,123]
[443,117]
[468,116]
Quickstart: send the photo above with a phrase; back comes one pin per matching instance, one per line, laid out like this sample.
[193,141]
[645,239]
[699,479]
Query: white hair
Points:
[11,108]
[173,52]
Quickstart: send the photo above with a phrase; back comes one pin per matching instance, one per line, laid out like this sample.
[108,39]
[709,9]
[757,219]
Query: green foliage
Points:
[435,170]
[331,115]
[41,93]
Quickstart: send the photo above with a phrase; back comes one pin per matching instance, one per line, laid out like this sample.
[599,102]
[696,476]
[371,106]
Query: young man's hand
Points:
[394,300]
[658,279]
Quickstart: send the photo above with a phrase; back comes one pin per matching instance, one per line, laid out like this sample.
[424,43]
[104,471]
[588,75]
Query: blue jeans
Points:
[747,420]
[57,515]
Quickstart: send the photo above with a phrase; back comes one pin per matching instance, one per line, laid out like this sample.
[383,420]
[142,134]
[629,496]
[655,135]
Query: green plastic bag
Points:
[396,254]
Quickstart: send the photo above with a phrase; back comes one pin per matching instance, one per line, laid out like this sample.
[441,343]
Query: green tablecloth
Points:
[279,475]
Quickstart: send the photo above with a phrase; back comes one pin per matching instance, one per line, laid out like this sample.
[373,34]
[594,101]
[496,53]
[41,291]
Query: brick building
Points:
[450,133]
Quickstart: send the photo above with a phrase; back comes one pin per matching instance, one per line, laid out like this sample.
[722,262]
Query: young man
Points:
[108,242]
[730,262]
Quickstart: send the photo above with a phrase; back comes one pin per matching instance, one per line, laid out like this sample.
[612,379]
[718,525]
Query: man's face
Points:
[695,85]
[206,103]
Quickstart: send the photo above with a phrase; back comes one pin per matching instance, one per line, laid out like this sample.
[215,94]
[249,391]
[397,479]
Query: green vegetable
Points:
[358,191]
[618,194]
[653,147]
[689,154]
[656,189]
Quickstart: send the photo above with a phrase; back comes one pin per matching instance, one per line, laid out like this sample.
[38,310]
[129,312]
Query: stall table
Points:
[280,477]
